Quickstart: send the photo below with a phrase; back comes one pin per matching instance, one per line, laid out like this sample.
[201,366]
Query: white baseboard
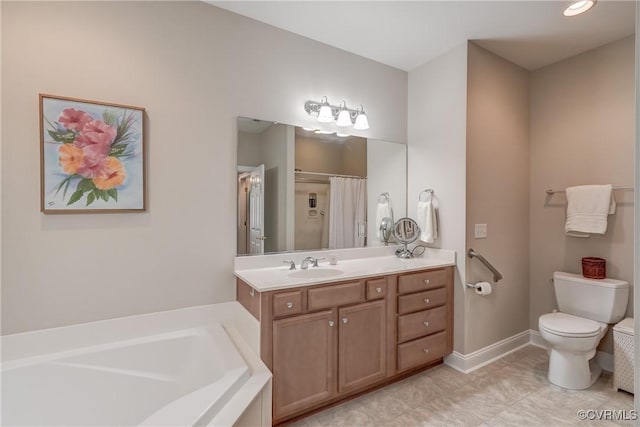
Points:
[466,363]
[536,339]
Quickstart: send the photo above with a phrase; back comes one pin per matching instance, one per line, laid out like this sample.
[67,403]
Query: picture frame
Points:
[92,156]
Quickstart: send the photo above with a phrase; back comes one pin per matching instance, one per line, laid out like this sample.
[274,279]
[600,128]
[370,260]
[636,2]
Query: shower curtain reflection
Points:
[347,212]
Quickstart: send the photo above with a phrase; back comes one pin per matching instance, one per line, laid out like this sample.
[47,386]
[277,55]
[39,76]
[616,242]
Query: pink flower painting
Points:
[92,156]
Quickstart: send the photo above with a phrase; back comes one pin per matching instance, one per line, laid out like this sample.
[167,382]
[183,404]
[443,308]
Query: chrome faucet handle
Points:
[292,265]
[315,261]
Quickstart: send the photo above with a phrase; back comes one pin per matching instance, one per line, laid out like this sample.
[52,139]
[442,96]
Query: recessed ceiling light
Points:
[579,7]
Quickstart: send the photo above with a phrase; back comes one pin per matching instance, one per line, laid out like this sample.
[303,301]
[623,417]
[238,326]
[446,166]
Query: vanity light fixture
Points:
[579,7]
[343,115]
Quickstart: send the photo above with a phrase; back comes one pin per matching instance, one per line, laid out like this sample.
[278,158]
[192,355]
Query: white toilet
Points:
[586,306]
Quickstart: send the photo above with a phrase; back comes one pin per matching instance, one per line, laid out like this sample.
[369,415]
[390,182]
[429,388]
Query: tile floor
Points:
[513,391]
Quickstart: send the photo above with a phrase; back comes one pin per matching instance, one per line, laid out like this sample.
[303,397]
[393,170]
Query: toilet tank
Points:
[603,300]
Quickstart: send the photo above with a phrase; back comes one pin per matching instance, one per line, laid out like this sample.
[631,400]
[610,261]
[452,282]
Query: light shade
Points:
[361,121]
[344,118]
[579,7]
[325,115]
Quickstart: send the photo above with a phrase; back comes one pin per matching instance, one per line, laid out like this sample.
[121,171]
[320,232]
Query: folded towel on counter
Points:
[427,220]
[587,209]
[384,210]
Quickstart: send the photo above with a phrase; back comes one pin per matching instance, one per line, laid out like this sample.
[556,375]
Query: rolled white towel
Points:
[427,221]
[384,210]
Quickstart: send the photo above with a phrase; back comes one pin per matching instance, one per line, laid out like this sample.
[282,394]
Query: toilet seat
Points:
[567,325]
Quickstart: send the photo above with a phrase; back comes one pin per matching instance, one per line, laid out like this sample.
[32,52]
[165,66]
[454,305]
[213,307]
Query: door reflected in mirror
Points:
[303,190]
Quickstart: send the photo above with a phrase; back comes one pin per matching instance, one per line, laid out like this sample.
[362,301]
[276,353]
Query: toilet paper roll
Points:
[483,288]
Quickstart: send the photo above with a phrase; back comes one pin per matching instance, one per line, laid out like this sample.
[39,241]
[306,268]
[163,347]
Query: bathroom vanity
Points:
[326,340]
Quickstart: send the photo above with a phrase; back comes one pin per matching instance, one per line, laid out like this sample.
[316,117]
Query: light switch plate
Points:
[481,231]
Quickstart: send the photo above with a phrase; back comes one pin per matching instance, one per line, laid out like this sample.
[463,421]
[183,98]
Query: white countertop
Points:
[275,278]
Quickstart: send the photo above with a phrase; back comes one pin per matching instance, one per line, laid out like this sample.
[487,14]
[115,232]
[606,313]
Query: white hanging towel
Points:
[384,210]
[587,209]
[427,221]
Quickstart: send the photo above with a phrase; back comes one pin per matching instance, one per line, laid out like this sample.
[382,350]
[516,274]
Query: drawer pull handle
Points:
[378,290]
[252,292]
[426,350]
[426,300]
[344,320]
[426,324]
[331,323]
[289,305]
[426,281]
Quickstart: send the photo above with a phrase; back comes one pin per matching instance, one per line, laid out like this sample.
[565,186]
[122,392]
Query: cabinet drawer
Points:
[422,323]
[422,281]
[421,351]
[422,300]
[376,288]
[335,295]
[287,303]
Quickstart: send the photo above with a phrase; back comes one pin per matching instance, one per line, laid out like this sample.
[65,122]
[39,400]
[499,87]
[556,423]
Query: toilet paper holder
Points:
[482,288]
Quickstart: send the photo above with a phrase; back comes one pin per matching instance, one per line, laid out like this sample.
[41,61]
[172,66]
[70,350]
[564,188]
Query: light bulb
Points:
[579,7]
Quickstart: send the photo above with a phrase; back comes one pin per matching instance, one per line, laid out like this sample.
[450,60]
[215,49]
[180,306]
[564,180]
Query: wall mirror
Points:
[301,190]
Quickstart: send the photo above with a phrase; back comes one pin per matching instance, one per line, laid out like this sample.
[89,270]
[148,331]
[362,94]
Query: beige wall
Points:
[582,132]
[195,68]
[437,153]
[497,195]
[249,153]
[276,143]
[347,157]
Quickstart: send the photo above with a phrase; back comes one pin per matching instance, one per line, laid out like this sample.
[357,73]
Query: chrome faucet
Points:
[292,265]
[310,260]
[305,262]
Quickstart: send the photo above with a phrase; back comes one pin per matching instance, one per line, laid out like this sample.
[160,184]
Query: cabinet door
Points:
[361,345]
[304,362]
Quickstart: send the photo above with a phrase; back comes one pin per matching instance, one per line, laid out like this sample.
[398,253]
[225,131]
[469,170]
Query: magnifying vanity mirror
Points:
[301,190]
[405,231]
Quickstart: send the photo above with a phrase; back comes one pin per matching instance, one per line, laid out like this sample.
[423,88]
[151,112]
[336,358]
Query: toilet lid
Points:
[568,325]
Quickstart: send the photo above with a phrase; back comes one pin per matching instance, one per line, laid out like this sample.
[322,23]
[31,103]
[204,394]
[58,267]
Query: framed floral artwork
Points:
[92,156]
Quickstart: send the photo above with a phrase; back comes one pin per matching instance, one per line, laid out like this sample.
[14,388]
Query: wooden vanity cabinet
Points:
[324,343]
[304,361]
[361,345]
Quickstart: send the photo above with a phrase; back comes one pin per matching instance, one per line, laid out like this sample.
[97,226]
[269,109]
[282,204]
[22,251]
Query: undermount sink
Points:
[316,273]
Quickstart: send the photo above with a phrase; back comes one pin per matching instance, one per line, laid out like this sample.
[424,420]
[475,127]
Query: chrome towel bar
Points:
[496,274]
[549,191]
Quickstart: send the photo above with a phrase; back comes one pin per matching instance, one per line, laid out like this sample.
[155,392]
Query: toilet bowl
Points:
[586,306]
[572,343]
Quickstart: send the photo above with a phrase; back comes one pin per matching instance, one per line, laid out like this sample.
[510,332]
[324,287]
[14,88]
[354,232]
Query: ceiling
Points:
[405,34]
